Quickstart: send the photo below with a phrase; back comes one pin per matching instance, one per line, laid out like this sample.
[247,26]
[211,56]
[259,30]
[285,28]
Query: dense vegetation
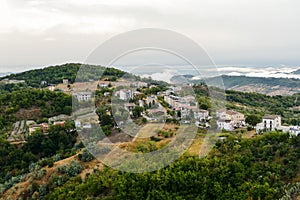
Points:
[73,72]
[260,104]
[258,168]
[231,81]
[6,88]
[53,75]
[236,169]
[32,104]
[250,103]
[16,160]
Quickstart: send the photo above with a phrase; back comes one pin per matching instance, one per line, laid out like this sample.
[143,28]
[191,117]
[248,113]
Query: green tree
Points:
[106,120]
[253,119]
[179,114]
[137,111]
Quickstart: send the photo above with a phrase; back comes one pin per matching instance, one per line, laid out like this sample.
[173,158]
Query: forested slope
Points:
[260,168]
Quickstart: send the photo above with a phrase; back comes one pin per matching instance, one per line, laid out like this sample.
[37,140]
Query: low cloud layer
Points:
[268,72]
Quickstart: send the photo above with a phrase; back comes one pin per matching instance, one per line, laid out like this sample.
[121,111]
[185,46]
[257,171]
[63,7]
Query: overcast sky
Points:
[35,33]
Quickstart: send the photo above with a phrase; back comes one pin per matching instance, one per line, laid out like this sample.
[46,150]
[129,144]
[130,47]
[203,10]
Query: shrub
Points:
[71,170]
[39,174]
[144,120]
[56,157]
[249,128]
[34,167]
[86,156]
[43,190]
[156,139]
[50,163]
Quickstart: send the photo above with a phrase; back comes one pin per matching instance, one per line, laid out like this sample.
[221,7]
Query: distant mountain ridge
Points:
[269,86]
[297,71]
[233,81]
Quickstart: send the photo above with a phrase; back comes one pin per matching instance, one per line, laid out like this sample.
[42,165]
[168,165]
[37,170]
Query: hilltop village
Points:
[42,121]
[161,104]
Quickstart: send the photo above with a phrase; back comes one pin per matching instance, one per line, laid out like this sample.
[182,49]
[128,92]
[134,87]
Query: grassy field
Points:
[149,130]
[196,145]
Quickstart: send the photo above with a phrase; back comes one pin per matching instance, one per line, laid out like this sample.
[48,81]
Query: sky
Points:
[37,33]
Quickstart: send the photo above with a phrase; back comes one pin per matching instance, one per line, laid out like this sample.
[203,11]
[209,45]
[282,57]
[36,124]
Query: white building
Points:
[87,126]
[151,98]
[238,119]
[65,81]
[77,124]
[106,94]
[139,84]
[126,94]
[226,124]
[103,85]
[269,123]
[83,96]
[185,113]
[201,114]
[141,103]
[295,130]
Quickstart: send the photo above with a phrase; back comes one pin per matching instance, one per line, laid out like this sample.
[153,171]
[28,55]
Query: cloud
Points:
[234,74]
[255,71]
[271,72]
[166,75]
[233,32]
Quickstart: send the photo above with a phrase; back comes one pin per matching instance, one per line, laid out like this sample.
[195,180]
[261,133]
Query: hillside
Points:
[56,165]
[260,104]
[55,74]
[235,169]
[233,81]
[34,104]
[52,74]
[269,86]
[297,71]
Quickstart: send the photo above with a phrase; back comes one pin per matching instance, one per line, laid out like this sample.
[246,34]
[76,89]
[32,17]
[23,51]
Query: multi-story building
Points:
[269,123]
[83,96]
[226,124]
[295,130]
[200,114]
[229,119]
[151,98]
[126,94]
[237,118]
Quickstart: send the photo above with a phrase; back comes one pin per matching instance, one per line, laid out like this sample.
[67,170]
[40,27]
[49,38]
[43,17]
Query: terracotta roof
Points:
[270,116]
[231,112]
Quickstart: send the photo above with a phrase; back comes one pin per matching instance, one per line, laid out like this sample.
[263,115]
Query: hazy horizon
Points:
[276,71]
